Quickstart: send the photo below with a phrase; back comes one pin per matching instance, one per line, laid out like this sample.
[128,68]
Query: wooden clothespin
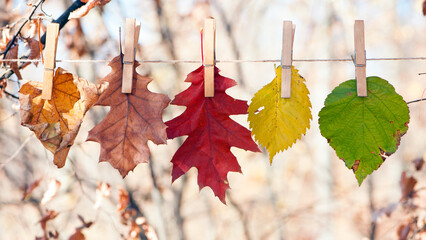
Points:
[52,34]
[209,42]
[287,58]
[130,42]
[360,59]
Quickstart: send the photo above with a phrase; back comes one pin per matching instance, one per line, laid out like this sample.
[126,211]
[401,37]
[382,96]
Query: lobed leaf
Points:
[211,132]
[132,120]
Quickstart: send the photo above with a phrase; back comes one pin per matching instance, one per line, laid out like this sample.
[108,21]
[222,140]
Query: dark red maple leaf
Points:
[211,132]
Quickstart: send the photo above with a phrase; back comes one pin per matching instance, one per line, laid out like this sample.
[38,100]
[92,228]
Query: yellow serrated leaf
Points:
[277,122]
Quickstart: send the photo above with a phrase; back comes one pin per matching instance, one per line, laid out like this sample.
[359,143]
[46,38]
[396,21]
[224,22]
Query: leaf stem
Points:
[418,100]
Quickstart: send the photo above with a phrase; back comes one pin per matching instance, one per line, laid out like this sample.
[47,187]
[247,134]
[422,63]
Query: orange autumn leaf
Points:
[132,120]
[56,122]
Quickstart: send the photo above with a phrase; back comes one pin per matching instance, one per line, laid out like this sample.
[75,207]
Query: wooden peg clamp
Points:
[52,34]
[360,59]
[287,58]
[130,42]
[209,41]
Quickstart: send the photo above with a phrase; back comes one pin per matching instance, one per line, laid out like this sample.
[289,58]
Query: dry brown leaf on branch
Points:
[13,54]
[56,122]
[34,47]
[132,120]
[6,37]
[32,28]
[81,12]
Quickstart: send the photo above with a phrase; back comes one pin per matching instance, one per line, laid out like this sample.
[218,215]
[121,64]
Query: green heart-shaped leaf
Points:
[364,131]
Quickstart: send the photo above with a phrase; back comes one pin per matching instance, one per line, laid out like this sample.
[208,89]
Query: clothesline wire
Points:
[222,61]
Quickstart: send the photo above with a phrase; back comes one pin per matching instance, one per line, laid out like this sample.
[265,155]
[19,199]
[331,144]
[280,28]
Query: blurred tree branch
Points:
[230,31]
[167,35]
[62,20]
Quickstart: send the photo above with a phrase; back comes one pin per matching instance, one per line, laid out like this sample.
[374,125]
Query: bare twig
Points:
[178,208]
[229,31]
[11,95]
[63,19]
[11,42]
[418,100]
[166,35]
[17,151]
[133,205]
[8,117]
[372,207]
[158,200]
[242,215]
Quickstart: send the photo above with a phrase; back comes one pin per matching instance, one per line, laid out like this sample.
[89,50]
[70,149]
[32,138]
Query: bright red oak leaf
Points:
[211,133]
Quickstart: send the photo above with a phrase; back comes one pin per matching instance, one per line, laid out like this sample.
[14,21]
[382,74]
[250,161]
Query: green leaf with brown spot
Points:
[364,131]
